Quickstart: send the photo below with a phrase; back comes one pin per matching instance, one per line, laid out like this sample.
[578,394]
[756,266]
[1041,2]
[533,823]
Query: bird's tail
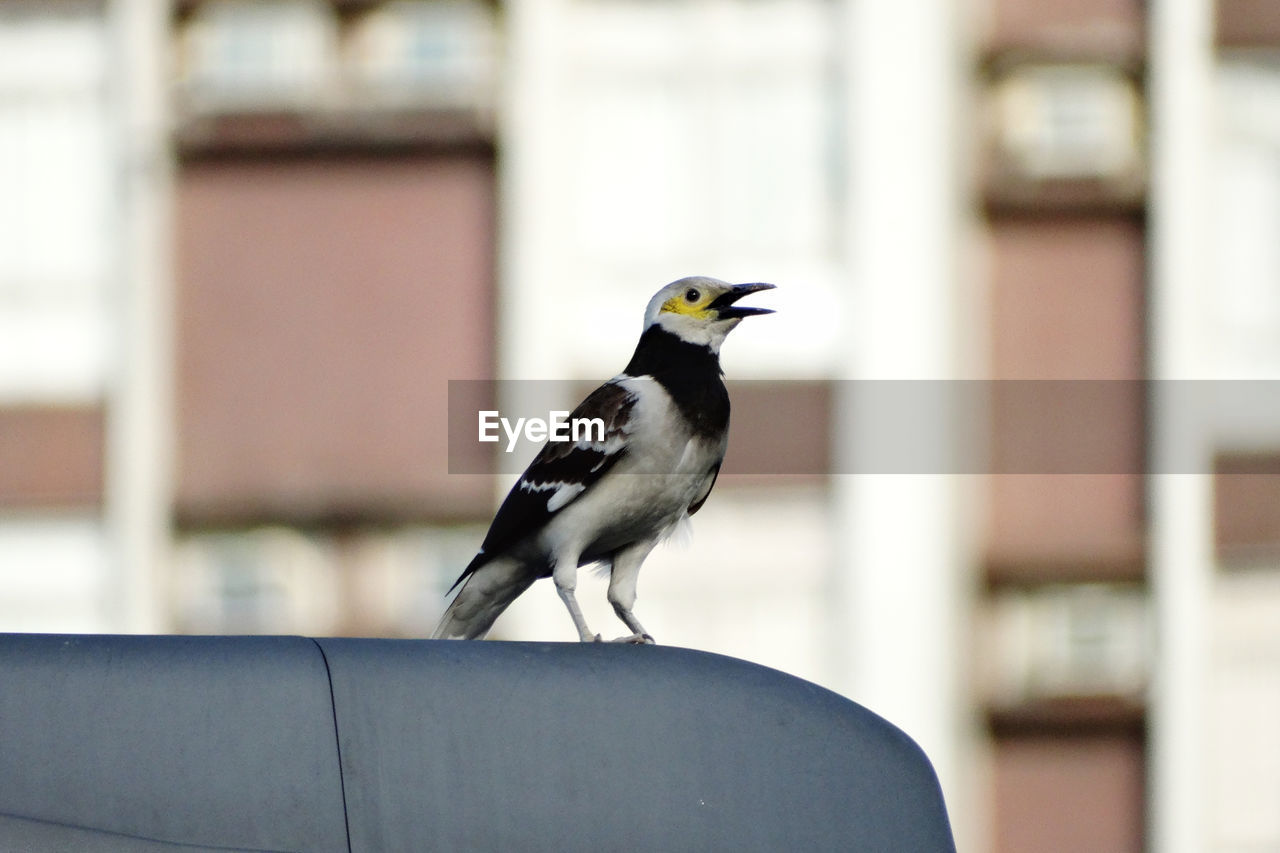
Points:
[486,592]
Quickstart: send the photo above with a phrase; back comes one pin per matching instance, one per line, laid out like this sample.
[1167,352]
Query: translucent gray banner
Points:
[816,428]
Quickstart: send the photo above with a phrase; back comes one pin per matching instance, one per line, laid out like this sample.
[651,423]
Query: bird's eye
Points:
[692,295]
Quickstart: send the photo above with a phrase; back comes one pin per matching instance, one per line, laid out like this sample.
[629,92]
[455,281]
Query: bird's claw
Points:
[636,640]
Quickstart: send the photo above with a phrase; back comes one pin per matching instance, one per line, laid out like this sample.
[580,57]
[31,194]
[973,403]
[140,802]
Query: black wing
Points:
[560,473]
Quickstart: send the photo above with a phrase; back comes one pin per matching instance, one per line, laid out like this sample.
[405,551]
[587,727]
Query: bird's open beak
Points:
[726,310]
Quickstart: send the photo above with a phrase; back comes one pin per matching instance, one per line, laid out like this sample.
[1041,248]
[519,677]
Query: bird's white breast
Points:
[648,491]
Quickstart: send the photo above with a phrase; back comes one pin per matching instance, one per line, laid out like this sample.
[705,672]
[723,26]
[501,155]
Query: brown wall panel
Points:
[1246,504]
[1056,794]
[779,433]
[324,303]
[1109,27]
[1065,527]
[1248,23]
[1067,298]
[51,456]
[1067,304]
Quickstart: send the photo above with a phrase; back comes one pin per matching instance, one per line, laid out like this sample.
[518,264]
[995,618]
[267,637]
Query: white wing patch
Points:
[562,492]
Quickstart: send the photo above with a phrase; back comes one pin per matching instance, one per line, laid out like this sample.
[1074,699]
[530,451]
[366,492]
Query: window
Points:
[1068,121]
[246,54]
[425,53]
[283,580]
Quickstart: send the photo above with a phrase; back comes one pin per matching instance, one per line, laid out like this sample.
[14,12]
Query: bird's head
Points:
[701,310]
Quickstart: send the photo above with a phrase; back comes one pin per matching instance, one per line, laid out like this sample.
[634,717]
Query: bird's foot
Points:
[636,640]
[587,638]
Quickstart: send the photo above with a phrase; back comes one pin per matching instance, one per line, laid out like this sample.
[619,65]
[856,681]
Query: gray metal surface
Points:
[167,743]
[521,746]
[215,742]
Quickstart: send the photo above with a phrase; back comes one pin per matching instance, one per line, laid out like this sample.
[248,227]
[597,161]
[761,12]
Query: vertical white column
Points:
[1180,503]
[530,251]
[139,404]
[901,596]
[528,189]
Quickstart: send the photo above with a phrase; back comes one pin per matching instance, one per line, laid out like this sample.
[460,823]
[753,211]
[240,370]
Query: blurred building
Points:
[245,245]
[335,238]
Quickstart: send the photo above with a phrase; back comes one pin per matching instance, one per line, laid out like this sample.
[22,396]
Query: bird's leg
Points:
[575,612]
[622,590]
[565,576]
[639,635]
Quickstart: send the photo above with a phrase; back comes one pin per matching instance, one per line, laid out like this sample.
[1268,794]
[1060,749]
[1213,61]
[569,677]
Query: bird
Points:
[611,498]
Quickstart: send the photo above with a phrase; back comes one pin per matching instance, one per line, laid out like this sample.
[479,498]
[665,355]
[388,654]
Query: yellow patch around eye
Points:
[677,305]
